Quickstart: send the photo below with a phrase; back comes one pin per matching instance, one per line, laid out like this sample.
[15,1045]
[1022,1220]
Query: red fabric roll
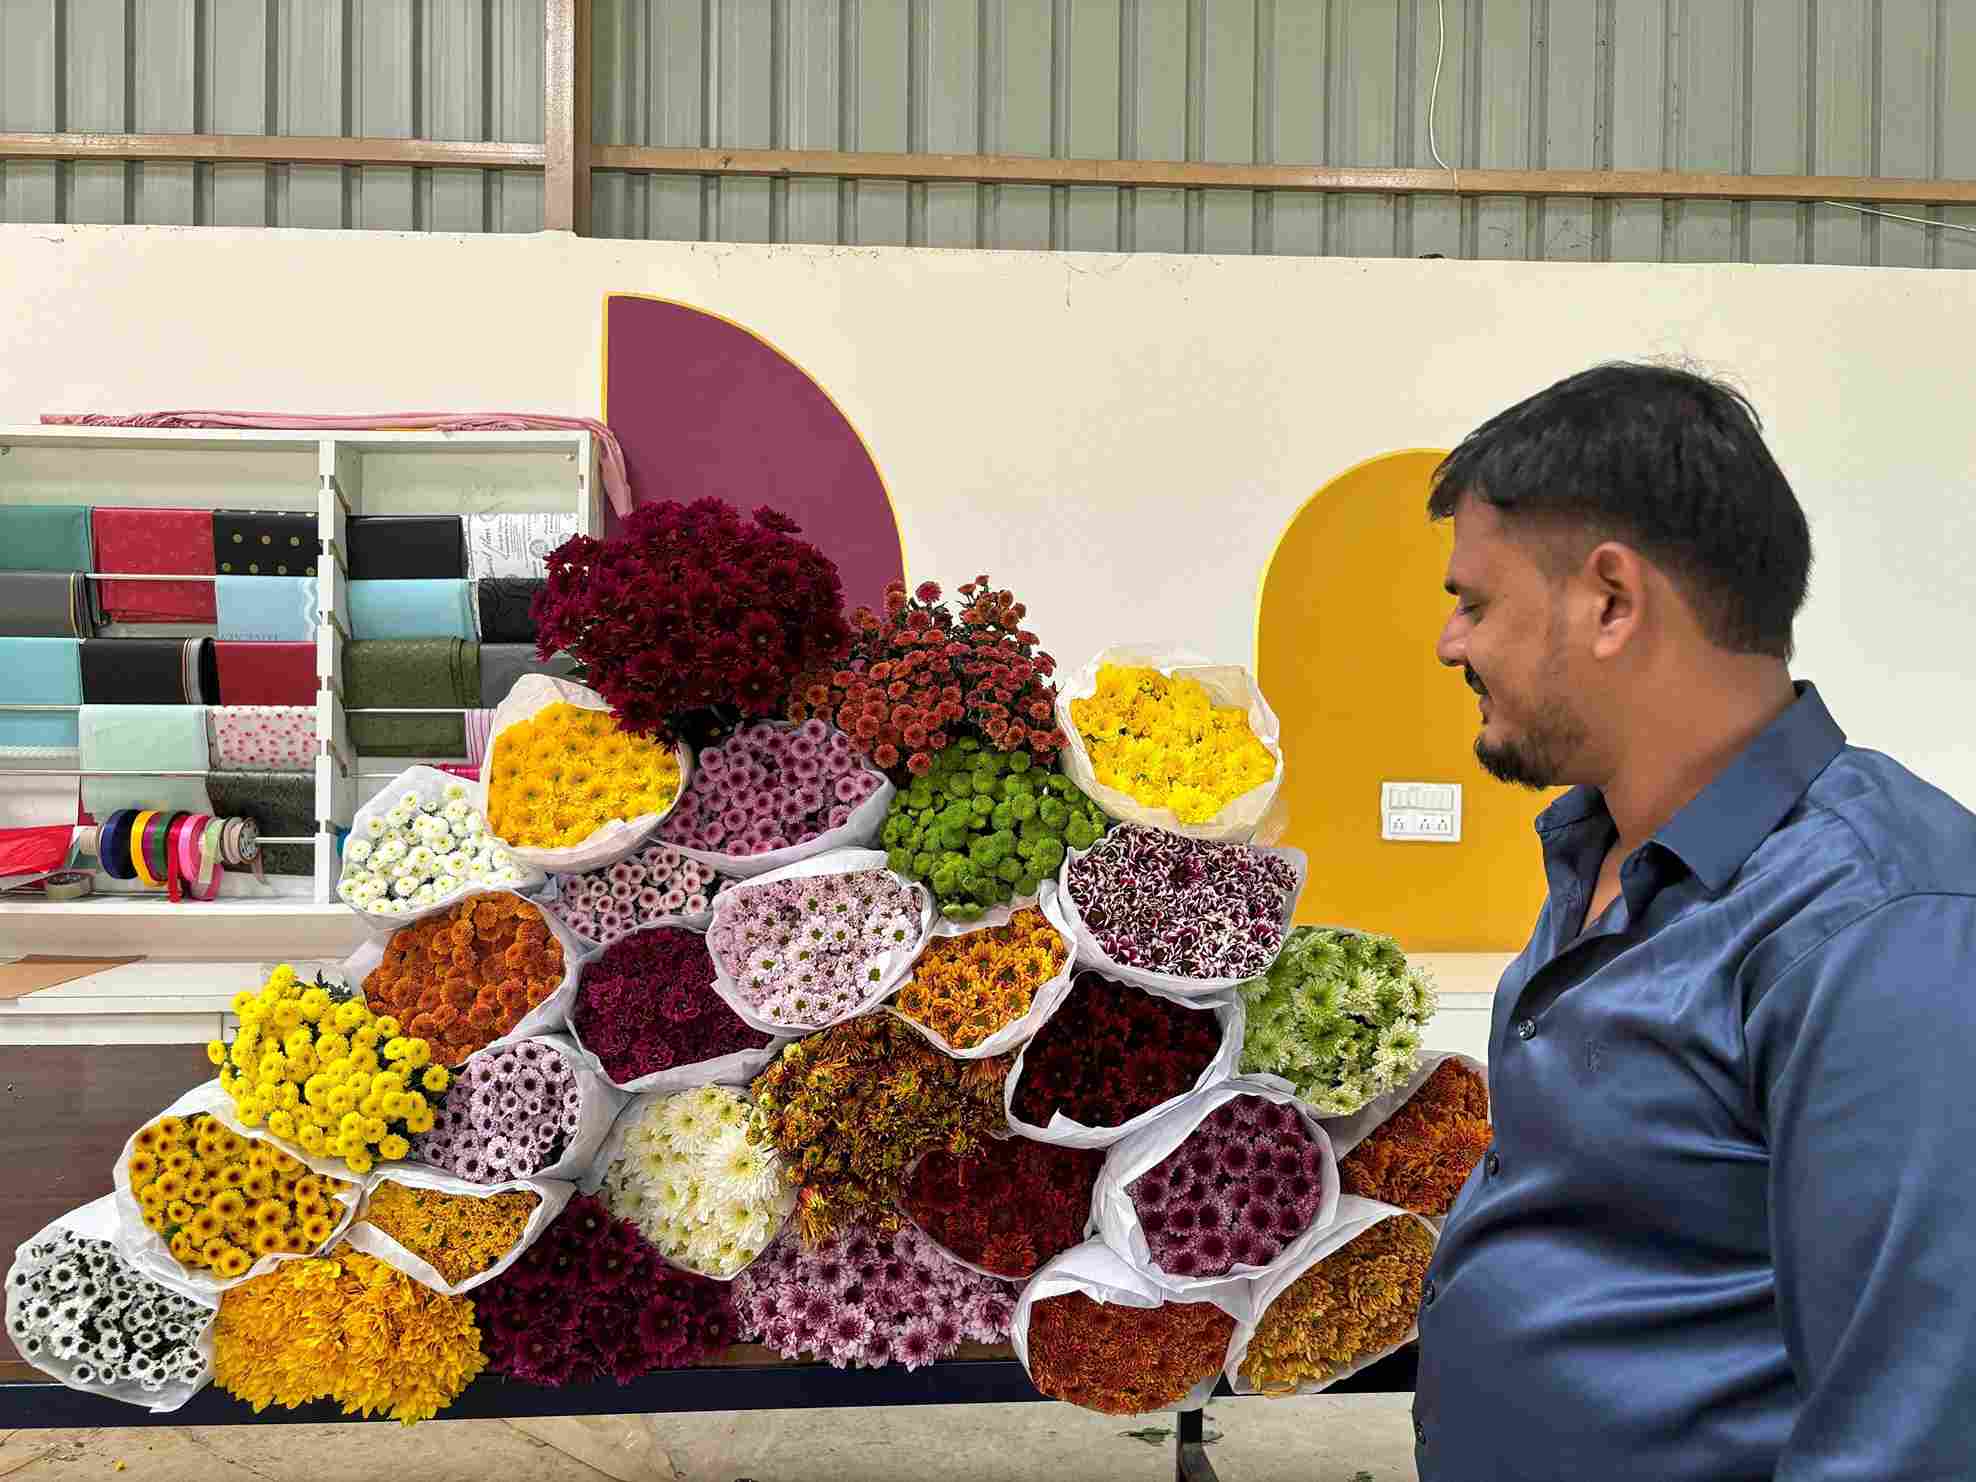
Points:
[167,541]
[266,673]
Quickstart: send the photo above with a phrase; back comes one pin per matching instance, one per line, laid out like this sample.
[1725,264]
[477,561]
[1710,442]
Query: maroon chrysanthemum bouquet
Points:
[592,1298]
[648,1004]
[922,674]
[1007,1208]
[691,608]
[1112,1052]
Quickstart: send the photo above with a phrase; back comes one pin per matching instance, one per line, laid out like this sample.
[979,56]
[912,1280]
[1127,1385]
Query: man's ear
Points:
[1615,587]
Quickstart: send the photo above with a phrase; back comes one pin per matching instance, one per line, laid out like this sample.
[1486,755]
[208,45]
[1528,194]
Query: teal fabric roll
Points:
[412,609]
[40,671]
[267,609]
[144,738]
[44,537]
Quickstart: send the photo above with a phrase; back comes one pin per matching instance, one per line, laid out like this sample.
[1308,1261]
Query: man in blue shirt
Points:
[1727,1227]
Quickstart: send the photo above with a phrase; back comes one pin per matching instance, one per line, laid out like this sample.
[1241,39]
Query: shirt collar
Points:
[1715,835]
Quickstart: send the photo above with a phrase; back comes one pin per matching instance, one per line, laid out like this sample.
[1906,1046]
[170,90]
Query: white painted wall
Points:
[1119,438]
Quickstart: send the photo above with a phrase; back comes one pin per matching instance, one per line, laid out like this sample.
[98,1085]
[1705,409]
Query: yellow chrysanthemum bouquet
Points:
[563,773]
[1181,743]
[318,1069]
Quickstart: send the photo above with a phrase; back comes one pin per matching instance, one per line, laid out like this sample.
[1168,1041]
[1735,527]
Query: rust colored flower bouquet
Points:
[1419,1157]
[1009,1207]
[1124,1360]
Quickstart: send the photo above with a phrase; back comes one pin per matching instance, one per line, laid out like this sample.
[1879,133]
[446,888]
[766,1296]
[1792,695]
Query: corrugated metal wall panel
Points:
[1788,86]
[446,69]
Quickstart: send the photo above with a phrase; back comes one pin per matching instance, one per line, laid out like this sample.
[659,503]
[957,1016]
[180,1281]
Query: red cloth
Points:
[168,541]
[266,673]
[34,851]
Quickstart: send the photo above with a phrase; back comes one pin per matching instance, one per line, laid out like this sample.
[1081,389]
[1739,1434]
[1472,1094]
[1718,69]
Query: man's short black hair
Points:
[1671,463]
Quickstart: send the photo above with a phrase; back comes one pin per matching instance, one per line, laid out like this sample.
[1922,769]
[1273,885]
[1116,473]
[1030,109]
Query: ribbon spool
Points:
[187,854]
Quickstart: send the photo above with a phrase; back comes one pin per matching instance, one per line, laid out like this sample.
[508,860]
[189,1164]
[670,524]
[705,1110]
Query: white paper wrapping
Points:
[1090,954]
[1097,1271]
[552,1195]
[1241,818]
[430,784]
[1117,1221]
[97,1220]
[145,1249]
[840,862]
[1067,1132]
[1042,1004]
[616,839]
[1354,1218]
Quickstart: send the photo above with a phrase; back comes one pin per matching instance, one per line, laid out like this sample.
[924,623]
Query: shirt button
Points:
[1419,1434]
[1492,1165]
[1427,1295]
[1526,1028]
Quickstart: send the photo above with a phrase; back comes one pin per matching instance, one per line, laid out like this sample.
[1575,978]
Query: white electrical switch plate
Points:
[1420,812]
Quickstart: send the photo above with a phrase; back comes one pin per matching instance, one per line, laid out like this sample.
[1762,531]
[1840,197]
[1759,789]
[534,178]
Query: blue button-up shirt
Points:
[1727,1229]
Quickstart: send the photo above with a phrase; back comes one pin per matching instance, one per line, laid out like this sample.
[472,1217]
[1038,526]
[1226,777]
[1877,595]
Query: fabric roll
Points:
[501,664]
[143,739]
[44,537]
[282,804]
[262,738]
[414,673]
[40,671]
[266,673]
[406,547]
[480,732]
[164,541]
[515,545]
[45,604]
[265,542]
[506,608]
[38,802]
[267,609]
[149,671]
[411,609]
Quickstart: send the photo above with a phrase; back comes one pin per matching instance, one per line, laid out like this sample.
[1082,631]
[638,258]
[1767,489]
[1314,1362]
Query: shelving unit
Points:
[338,476]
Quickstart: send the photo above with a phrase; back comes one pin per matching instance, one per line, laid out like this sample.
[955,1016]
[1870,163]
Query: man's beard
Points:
[1538,758]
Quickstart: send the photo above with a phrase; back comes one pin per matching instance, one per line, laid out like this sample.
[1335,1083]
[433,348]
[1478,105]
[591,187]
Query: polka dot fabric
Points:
[262,738]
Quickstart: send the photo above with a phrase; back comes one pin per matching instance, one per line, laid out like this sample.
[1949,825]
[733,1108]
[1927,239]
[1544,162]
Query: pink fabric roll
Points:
[166,542]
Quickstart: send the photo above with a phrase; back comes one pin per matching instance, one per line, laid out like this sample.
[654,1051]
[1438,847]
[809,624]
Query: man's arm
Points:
[1864,1057]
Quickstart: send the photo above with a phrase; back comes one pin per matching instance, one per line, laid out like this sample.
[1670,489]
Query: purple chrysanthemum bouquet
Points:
[607,904]
[1167,904]
[768,787]
[511,1112]
[805,953]
[1244,1184]
[861,1299]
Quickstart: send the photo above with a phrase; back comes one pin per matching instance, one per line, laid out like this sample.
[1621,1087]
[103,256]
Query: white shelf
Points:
[151,926]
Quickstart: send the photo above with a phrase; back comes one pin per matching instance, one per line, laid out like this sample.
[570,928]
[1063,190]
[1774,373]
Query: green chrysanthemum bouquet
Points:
[1339,1016]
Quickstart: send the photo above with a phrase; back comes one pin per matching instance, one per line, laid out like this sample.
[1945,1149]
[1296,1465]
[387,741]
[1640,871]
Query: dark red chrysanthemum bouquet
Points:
[649,1004]
[690,607]
[1112,1052]
[921,675]
[592,1298]
[1009,1207]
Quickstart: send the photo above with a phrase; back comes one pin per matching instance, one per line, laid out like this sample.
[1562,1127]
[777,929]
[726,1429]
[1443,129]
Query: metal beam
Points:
[566,117]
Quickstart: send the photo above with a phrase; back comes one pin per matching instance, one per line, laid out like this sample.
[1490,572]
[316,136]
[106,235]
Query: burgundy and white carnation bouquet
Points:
[604,905]
[859,1299]
[520,1110]
[774,793]
[817,942]
[1160,910]
[1229,1185]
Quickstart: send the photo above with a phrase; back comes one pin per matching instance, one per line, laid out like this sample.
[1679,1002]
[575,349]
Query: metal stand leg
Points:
[1190,1456]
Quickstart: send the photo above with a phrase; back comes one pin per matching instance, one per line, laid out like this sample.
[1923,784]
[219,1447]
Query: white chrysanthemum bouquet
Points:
[423,852]
[687,1176]
[1339,1015]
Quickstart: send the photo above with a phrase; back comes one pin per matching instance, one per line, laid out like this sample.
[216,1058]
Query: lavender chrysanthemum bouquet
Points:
[610,903]
[511,1112]
[861,1299]
[770,787]
[804,953]
[1180,906]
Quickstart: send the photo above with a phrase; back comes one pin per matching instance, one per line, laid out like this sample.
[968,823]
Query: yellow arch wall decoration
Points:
[1348,612]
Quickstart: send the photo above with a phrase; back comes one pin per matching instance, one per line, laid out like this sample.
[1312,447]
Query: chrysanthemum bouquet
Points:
[78,1310]
[422,852]
[609,903]
[1162,741]
[1419,1157]
[686,1174]
[512,1113]
[1339,1015]
[769,787]
[648,1004]
[922,675]
[1111,1053]
[1122,1360]
[865,1297]
[592,1299]
[557,776]
[458,1235]
[465,977]
[1009,1206]
[691,606]
[967,988]
[319,1069]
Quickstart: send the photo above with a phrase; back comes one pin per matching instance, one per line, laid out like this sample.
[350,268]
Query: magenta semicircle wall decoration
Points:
[702,406]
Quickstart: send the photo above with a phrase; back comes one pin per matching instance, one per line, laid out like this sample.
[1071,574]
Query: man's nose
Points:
[1452,647]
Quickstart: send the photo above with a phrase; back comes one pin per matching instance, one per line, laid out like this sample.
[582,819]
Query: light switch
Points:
[1420,812]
